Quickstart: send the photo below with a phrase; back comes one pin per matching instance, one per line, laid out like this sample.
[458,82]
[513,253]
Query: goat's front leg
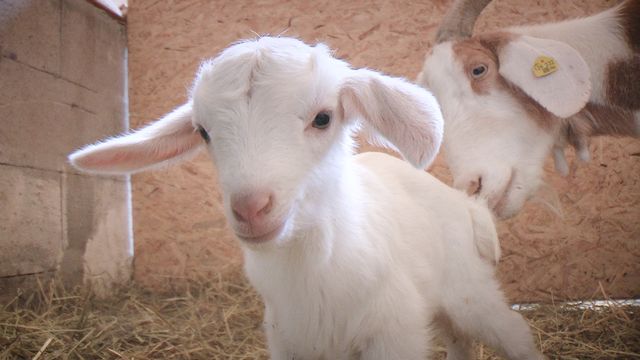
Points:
[275,344]
[405,344]
[402,332]
[459,346]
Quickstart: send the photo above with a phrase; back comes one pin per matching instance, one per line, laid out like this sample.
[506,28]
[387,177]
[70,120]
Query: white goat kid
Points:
[509,97]
[354,256]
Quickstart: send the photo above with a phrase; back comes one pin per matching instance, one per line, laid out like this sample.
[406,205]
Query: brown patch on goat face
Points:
[481,50]
[472,54]
[630,19]
[597,119]
[537,112]
[496,40]
[484,49]
[623,83]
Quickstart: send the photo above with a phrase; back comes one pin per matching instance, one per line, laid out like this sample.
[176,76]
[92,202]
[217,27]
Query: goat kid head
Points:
[277,117]
[501,116]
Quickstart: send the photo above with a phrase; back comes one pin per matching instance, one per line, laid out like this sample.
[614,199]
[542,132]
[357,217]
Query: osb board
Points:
[178,223]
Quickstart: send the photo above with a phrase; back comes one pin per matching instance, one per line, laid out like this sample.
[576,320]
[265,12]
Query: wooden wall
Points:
[591,245]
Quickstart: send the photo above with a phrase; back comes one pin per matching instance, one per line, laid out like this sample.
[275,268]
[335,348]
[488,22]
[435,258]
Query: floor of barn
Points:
[221,319]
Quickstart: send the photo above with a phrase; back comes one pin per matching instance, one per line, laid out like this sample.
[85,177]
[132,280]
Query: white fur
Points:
[486,137]
[368,252]
[491,137]
[563,92]
[598,39]
[156,145]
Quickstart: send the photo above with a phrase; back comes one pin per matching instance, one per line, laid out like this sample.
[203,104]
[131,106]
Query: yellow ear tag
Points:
[544,66]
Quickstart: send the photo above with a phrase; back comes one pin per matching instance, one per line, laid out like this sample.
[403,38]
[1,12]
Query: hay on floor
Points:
[221,319]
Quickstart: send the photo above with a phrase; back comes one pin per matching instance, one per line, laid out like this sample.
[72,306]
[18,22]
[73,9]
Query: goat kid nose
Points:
[252,207]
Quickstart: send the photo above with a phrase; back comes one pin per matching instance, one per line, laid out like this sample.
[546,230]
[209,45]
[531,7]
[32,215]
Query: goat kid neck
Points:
[327,222]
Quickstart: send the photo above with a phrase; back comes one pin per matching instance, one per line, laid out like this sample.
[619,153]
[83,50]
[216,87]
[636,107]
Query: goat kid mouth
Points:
[499,202]
[263,237]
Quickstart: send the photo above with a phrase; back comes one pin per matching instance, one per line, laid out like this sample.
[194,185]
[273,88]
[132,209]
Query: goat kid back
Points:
[354,256]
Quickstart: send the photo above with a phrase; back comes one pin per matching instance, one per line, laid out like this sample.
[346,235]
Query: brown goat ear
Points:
[169,139]
[405,115]
[550,72]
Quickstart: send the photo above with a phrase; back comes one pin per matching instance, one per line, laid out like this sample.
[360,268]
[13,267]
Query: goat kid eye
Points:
[204,134]
[321,121]
[479,71]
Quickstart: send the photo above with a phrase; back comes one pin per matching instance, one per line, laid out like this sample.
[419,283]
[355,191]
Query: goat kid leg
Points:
[459,346]
[478,308]
[404,344]
[276,346]
[402,333]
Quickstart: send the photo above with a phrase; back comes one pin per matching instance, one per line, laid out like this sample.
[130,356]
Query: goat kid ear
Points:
[167,140]
[407,116]
[550,72]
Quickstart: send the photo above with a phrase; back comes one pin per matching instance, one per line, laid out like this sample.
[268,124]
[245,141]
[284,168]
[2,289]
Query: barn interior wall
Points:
[62,85]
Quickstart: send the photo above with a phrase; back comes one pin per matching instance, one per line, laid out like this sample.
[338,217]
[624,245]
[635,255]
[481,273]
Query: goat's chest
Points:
[312,330]
[310,314]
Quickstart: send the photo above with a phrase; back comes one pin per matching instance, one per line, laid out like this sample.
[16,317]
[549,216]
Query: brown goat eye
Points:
[204,134]
[322,120]
[479,71]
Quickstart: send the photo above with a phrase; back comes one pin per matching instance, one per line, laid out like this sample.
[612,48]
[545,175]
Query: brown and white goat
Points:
[511,97]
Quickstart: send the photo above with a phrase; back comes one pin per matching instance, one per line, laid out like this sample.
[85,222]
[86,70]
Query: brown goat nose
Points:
[252,207]
[475,186]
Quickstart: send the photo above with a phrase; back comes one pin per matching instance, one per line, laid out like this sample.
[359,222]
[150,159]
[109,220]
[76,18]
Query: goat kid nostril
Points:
[238,216]
[267,208]
[475,186]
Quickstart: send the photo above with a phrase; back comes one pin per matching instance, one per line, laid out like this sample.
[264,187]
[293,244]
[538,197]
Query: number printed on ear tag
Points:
[544,65]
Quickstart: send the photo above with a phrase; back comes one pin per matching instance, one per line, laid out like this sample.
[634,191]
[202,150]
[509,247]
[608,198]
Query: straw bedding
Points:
[221,319]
